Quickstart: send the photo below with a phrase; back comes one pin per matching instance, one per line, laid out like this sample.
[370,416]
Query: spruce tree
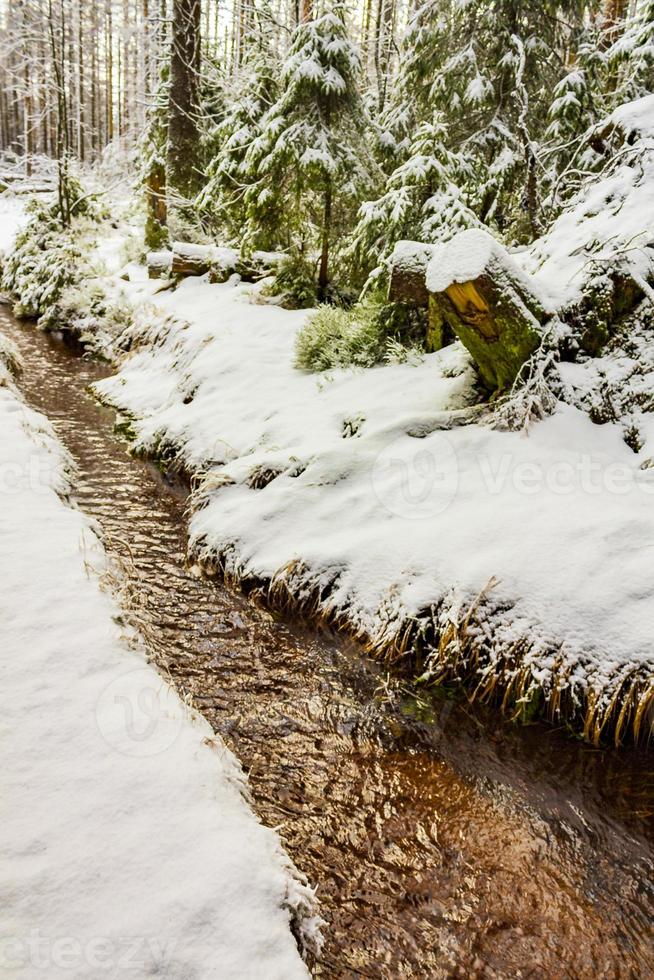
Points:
[489,68]
[311,161]
[422,199]
[630,57]
[221,201]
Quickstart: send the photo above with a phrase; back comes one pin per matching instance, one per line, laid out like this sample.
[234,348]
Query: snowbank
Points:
[127,845]
[359,495]
[12,217]
[611,219]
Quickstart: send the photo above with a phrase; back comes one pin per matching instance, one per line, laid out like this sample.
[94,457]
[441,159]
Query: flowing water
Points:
[443,841]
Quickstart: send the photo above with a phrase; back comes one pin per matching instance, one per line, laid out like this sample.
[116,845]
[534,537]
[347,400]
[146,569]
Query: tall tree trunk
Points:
[183,157]
[306,10]
[109,74]
[323,276]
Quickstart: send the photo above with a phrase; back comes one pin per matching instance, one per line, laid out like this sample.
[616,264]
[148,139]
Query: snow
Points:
[411,256]
[462,259]
[610,220]
[467,256]
[12,217]
[221,255]
[127,844]
[411,510]
[635,117]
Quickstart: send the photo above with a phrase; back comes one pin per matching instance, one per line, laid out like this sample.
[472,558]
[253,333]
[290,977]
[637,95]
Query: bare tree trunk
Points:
[183,161]
[109,74]
[323,276]
[58,49]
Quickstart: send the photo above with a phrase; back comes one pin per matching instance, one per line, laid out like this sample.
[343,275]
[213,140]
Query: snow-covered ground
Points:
[12,215]
[127,847]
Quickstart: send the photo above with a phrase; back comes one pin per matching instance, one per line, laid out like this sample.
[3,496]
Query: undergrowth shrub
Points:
[90,313]
[47,256]
[295,283]
[367,334]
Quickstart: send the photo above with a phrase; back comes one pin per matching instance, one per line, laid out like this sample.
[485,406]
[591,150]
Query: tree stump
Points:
[159,264]
[408,269]
[478,291]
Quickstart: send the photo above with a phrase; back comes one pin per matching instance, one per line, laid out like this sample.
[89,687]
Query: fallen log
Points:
[477,290]
[221,262]
[190,259]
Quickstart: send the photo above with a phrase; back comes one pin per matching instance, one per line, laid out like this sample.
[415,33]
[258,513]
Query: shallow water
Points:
[444,841]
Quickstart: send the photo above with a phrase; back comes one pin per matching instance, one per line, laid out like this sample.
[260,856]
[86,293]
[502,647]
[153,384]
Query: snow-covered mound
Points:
[127,845]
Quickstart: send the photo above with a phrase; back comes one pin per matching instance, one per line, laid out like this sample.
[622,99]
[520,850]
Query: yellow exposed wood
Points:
[473,308]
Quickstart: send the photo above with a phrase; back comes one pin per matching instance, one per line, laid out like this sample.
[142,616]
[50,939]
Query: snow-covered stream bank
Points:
[517,562]
[437,840]
[128,848]
[355,494]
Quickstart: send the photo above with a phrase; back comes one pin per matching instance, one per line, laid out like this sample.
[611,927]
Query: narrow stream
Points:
[444,841]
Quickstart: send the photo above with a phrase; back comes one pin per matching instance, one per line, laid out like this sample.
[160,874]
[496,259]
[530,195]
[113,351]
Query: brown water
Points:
[443,842]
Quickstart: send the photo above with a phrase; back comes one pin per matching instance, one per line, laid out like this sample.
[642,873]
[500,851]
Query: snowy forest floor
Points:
[129,846]
[517,563]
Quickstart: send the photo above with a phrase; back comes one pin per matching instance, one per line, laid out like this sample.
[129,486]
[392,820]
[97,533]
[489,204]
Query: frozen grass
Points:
[465,646]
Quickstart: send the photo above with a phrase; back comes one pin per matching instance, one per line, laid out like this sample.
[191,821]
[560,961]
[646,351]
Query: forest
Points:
[326,480]
[327,133]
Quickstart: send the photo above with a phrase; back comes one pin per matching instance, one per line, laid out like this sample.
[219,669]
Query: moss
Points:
[124,428]
[499,338]
[439,332]
[608,297]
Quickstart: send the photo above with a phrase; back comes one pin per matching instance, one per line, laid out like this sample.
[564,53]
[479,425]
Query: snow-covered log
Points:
[478,290]
[159,264]
[258,265]
[408,269]
[189,259]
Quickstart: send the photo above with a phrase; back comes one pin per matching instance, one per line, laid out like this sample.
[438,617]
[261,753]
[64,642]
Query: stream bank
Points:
[443,843]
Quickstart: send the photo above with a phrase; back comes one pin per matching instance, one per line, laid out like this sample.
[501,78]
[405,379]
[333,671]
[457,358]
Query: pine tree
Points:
[222,199]
[422,199]
[311,160]
[577,106]
[153,165]
[489,68]
[614,64]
